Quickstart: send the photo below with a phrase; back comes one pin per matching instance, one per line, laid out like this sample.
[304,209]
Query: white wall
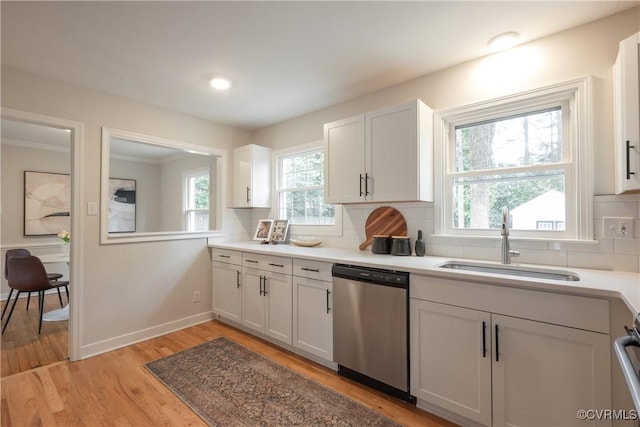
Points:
[586,50]
[148,194]
[130,291]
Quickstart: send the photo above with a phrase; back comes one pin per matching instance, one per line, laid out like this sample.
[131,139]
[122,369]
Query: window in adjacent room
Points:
[523,153]
[196,200]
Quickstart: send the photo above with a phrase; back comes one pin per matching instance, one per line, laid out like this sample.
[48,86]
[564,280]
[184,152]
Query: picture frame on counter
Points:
[280,228]
[264,230]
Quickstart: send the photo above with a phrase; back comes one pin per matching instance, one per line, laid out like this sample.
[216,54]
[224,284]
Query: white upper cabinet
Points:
[627,115]
[252,177]
[381,156]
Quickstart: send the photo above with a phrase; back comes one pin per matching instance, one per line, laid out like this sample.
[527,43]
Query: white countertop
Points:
[602,283]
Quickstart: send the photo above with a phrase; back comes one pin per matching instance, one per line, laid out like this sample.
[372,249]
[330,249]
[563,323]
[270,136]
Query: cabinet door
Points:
[344,166]
[226,290]
[543,374]
[253,301]
[627,115]
[279,313]
[391,153]
[313,316]
[451,358]
[242,177]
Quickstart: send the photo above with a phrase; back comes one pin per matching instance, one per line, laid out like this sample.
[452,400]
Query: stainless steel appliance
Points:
[371,327]
[627,349]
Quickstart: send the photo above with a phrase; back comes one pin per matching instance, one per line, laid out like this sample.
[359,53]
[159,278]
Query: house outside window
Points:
[530,153]
[196,200]
[299,196]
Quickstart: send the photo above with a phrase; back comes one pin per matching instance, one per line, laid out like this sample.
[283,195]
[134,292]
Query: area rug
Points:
[227,384]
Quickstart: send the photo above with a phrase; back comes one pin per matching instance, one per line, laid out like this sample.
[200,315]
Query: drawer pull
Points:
[251,261]
[238,279]
[264,292]
[276,265]
[313,270]
[224,256]
[261,282]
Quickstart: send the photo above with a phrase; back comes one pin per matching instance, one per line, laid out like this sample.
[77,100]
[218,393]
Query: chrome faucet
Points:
[506,252]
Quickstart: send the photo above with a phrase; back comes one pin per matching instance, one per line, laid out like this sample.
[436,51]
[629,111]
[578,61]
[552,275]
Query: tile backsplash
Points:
[601,253]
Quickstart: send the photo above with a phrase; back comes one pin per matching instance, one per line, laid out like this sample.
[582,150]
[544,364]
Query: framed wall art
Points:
[263,230]
[280,227]
[47,203]
[122,205]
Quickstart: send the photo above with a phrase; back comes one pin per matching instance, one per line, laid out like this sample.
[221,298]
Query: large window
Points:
[522,153]
[301,189]
[196,200]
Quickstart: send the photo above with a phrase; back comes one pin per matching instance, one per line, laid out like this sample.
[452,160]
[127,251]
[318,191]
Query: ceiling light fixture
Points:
[219,83]
[504,41]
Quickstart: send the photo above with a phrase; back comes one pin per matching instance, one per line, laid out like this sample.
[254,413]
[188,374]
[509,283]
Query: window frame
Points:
[575,95]
[301,229]
[186,176]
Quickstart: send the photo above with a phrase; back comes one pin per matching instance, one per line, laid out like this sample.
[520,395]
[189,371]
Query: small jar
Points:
[381,244]
[400,245]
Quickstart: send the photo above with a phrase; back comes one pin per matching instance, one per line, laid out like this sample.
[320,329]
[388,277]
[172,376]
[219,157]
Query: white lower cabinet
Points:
[226,291]
[313,308]
[501,370]
[267,296]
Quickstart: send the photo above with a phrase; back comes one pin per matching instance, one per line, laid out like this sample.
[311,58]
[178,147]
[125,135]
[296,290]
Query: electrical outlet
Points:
[617,227]
[196,296]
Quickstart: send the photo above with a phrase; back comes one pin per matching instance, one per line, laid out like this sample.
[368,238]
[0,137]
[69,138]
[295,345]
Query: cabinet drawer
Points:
[268,263]
[227,256]
[559,309]
[312,269]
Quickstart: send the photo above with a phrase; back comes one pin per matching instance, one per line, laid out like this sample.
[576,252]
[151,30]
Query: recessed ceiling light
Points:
[504,41]
[219,83]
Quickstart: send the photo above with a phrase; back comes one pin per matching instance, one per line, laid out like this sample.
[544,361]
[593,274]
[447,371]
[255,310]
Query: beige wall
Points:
[588,50]
[129,291]
[15,160]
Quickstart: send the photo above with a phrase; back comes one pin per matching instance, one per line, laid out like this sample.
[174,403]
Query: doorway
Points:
[31,142]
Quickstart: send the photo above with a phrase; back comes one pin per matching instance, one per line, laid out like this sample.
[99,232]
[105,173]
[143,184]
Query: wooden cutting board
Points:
[384,220]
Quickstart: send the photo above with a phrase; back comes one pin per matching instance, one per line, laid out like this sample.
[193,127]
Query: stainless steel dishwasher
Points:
[371,327]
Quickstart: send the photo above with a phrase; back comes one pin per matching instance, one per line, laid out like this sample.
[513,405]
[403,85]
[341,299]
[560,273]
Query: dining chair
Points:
[27,274]
[51,276]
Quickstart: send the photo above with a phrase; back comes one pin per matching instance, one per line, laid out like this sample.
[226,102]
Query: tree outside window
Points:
[301,189]
[197,194]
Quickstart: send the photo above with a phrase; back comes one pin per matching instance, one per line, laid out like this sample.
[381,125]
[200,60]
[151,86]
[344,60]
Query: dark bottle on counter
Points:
[419,244]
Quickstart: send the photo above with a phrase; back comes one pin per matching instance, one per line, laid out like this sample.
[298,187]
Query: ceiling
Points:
[283,58]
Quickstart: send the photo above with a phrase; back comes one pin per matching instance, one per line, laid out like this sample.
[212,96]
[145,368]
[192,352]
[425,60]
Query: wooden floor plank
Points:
[114,388]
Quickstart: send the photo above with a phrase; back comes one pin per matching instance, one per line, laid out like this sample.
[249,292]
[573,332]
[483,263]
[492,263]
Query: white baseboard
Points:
[142,335]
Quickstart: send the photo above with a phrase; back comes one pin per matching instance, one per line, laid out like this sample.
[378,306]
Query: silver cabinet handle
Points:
[261,278]
[264,292]
[361,193]
[248,195]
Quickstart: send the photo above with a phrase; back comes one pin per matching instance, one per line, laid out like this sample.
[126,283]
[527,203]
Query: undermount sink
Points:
[512,270]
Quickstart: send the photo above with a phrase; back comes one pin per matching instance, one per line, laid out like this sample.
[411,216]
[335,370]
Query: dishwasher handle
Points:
[628,371]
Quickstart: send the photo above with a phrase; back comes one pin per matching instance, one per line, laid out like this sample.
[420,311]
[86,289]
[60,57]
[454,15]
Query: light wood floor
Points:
[115,389]
[22,348]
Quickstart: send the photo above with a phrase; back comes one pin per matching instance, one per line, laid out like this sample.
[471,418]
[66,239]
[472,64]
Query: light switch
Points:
[92,208]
